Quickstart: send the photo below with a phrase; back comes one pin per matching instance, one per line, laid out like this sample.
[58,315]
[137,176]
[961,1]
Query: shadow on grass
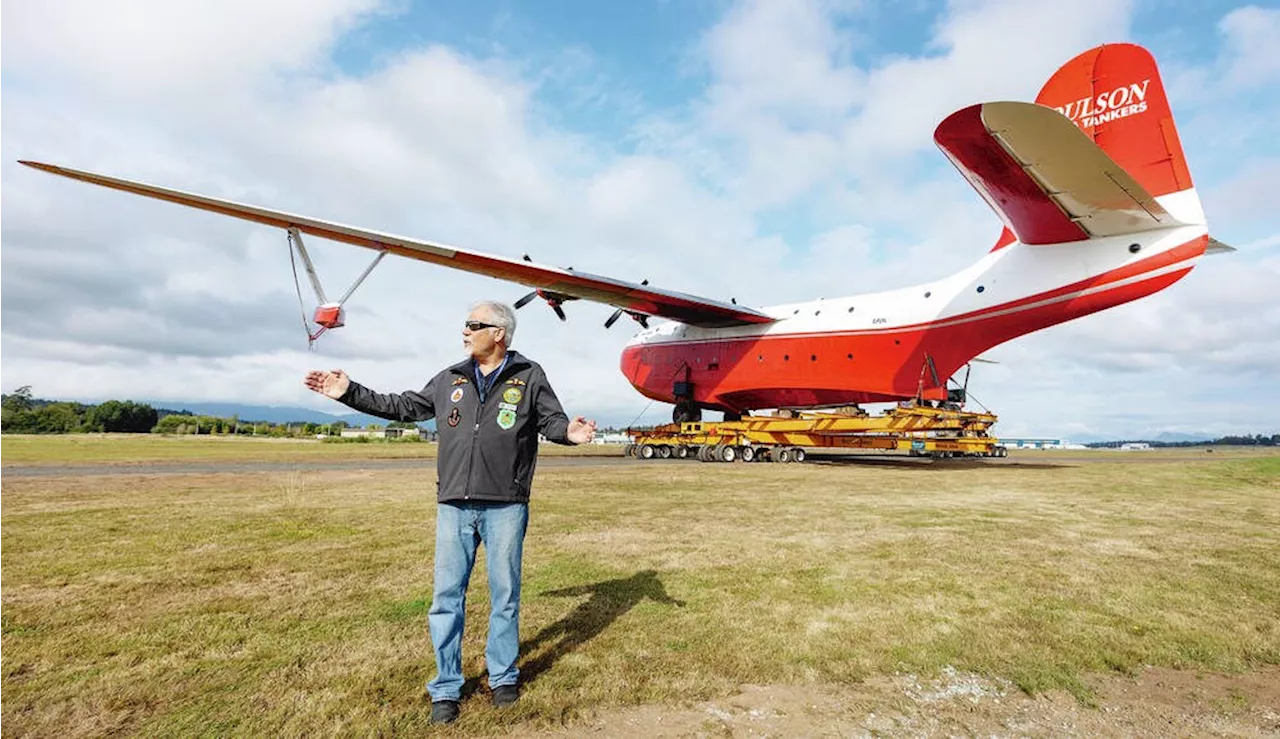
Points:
[609,600]
[926,464]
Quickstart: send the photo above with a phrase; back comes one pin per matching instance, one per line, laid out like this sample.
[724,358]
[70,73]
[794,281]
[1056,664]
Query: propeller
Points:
[553,299]
[640,318]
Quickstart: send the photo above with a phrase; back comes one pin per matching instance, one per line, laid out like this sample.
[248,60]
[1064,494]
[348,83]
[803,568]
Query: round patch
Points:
[456,395]
[512,395]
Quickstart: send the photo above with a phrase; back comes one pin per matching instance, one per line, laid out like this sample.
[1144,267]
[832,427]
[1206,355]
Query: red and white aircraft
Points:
[1098,208]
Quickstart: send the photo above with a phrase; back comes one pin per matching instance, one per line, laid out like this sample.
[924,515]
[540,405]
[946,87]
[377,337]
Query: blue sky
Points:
[772,152]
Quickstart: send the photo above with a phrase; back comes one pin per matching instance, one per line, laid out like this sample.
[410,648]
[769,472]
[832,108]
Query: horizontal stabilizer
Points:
[1046,179]
[1217,247]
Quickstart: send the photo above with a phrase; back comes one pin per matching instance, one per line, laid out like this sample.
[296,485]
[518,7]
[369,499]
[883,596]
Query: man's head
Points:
[489,329]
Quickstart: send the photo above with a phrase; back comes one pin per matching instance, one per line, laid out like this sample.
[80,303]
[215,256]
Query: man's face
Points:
[479,343]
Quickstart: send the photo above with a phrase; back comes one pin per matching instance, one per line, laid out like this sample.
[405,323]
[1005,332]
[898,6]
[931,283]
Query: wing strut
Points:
[328,315]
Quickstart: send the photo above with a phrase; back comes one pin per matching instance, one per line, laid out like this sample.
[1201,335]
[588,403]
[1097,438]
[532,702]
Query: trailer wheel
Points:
[629,450]
[682,452]
[647,451]
[781,454]
[798,454]
[748,454]
[726,453]
[704,453]
[664,451]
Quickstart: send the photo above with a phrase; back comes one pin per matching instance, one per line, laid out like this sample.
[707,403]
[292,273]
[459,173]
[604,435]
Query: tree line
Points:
[24,414]
[1230,440]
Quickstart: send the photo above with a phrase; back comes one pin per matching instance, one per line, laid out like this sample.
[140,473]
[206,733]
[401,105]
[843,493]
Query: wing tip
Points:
[38,165]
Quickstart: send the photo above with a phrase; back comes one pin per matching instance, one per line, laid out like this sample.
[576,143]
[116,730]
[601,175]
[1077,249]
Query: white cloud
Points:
[188,48]
[1254,57]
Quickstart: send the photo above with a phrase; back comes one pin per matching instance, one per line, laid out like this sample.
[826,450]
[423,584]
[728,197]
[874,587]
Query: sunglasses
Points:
[477,325]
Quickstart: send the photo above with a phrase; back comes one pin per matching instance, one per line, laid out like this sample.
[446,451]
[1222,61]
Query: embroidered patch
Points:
[512,395]
[515,381]
[455,416]
[456,395]
[506,419]
[459,380]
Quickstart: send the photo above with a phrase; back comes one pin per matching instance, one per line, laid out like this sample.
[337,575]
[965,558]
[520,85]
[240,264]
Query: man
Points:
[490,409]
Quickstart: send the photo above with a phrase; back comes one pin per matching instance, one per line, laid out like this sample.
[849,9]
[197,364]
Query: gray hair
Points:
[502,315]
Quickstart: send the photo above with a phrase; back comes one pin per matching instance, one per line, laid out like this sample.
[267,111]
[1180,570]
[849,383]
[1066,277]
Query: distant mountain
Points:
[1169,437]
[1089,439]
[1164,437]
[268,413]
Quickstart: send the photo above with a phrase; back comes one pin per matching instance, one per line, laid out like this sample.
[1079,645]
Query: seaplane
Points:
[1097,205]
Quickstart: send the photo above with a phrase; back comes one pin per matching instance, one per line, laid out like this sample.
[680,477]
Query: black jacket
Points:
[487,452]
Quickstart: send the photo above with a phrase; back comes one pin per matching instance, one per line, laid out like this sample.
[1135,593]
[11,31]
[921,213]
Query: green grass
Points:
[295,603]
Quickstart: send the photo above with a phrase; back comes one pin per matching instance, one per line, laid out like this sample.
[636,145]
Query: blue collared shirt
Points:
[484,383]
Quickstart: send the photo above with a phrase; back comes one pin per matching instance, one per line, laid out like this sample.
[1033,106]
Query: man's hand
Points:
[581,431]
[333,383]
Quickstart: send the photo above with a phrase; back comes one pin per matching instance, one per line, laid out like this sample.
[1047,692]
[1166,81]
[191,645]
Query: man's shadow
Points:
[609,600]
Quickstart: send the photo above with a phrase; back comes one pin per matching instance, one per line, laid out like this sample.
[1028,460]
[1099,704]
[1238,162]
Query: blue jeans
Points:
[460,528]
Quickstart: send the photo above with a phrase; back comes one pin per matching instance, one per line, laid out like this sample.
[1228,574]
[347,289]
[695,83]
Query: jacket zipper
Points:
[475,432]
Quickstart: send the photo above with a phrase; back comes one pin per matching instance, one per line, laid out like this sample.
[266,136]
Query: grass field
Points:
[145,448]
[294,603]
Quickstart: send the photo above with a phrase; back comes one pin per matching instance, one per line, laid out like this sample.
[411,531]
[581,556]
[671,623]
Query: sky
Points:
[770,152]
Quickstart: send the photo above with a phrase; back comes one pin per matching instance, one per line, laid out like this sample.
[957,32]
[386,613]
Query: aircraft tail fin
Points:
[1114,94]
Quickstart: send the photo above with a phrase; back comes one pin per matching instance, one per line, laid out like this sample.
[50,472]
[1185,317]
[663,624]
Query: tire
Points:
[629,450]
[748,454]
[798,454]
[726,453]
[664,451]
[682,452]
[647,451]
[704,453]
[781,455]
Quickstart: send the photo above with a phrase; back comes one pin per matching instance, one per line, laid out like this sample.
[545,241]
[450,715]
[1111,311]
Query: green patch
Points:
[405,610]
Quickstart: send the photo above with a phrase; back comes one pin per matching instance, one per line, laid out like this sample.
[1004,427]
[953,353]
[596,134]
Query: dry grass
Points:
[295,603]
[27,449]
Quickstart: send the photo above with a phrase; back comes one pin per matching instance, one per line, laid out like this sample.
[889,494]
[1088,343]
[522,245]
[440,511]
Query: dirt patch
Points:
[1156,703]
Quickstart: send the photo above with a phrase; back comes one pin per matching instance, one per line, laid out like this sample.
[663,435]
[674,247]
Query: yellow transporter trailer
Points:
[916,429]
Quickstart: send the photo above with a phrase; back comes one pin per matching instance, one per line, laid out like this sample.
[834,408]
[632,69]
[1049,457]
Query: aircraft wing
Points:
[1048,182]
[641,299]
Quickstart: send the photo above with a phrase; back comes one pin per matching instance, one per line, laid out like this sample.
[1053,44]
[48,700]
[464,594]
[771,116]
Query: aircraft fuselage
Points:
[892,345]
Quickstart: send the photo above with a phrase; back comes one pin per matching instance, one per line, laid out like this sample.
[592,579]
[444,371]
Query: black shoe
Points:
[505,695]
[444,712]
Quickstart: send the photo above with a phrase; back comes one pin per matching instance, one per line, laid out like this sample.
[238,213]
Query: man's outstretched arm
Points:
[406,406]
